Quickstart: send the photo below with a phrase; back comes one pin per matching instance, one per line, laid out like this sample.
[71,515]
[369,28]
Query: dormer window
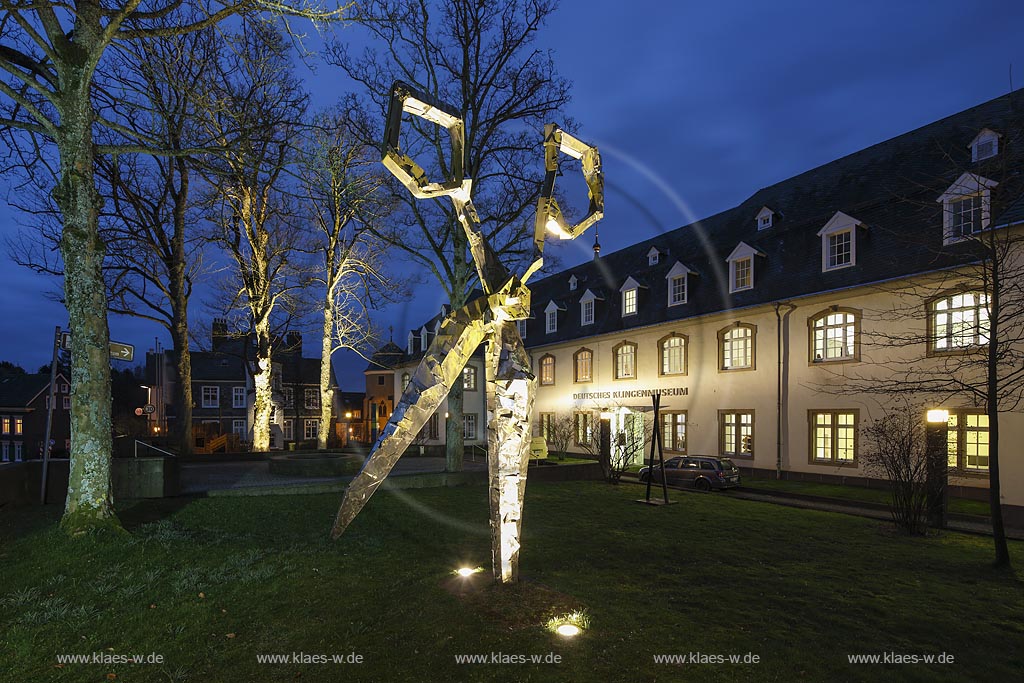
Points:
[573,282]
[411,346]
[764,218]
[741,267]
[984,145]
[630,291]
[839,242]
[966,207]
[587,304]
[423,338]
[652,256]
[521,324]
[677,285]
[551,317]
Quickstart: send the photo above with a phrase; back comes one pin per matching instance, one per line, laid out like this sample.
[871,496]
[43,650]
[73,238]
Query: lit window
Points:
[584,362]
[673,355]
[625,361]
[211,397]
[834,336]
[5,423]
[673,431]
[742,274]
[587,312]
[469,378]
[583,425]
[552,321]
[834,437]
[19,424]
[405,381]
[469,427]
[547,427]
[547,370]
[736,433]
[967,441]
[736,344]
[959,321]
[677,290]
[237,397]
[629,302]
[311,428]
[840,249]
[312,397]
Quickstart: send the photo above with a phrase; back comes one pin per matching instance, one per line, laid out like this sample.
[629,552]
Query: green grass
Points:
[210,583]
[851,492]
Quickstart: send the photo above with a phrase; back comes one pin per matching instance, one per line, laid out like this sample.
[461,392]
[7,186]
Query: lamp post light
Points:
[937,470]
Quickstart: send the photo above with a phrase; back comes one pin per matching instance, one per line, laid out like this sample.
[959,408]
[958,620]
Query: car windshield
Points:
[727,464]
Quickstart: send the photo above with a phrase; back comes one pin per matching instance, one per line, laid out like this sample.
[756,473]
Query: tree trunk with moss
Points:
[326,389]
[89,504]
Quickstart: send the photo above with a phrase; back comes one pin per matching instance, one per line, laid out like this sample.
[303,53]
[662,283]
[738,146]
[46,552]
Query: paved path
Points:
[845,507]
[197,477]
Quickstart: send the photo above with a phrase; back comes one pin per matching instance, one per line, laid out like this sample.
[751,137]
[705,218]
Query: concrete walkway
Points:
[218,476]
[846,507]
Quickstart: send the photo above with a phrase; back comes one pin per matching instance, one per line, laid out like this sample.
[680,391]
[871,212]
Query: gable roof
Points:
[17,391]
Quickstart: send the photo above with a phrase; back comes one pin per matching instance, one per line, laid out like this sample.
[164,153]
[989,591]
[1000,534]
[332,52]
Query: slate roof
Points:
[214,365]
[387,357]
[890,187]
[17,390]
[297,370]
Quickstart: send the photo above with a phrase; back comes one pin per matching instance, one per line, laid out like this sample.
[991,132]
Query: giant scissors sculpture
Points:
[511,386]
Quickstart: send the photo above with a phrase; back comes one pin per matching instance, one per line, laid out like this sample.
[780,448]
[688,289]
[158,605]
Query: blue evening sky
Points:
[694,106]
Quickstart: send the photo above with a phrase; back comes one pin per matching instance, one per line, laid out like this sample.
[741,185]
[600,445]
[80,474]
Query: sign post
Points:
[58,341]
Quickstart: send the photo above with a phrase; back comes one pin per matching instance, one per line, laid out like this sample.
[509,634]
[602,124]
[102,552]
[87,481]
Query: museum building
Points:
[778,329]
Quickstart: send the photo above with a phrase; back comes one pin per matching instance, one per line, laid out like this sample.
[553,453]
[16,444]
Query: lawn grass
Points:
[963,506]
[210,583]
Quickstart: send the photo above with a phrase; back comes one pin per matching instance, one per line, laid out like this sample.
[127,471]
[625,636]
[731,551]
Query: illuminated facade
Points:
[751,322]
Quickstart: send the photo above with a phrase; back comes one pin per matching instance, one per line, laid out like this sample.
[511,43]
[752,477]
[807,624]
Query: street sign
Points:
[149,409]
[138,411]
[118,350]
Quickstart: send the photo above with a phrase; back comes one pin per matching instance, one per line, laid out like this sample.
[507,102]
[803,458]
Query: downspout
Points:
[782,376]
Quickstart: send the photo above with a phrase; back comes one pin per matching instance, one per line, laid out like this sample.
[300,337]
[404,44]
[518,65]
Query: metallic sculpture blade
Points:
[460,335]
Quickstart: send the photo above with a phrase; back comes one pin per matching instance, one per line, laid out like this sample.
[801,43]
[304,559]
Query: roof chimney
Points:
[219,332]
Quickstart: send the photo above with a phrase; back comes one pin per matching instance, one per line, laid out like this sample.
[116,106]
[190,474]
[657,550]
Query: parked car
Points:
[702,472]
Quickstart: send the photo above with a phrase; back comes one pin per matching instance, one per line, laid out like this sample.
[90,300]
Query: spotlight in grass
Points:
[468,571]
[569,625]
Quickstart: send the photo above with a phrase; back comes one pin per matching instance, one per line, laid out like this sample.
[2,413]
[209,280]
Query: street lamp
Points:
[937,468]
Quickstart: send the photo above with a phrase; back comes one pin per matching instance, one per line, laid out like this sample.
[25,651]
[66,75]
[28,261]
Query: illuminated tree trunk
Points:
[326,391]
[264,390]
[511,389]
[89,502]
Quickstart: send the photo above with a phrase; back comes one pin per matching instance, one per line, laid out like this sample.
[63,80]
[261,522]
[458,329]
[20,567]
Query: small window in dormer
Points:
[652,256]
[572,283]
[741,267]
[764,218]
[984,145]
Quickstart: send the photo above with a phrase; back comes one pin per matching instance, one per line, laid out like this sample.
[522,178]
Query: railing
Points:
[472,452]
[149,445]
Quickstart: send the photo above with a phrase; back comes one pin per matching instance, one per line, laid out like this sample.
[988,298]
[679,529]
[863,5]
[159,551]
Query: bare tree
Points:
[49,54]
[253,107]
[478,56]
[560,432]
[956,334]
[896,449]
[341,182]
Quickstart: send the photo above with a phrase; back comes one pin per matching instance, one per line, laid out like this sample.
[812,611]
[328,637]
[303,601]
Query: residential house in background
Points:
[24,400]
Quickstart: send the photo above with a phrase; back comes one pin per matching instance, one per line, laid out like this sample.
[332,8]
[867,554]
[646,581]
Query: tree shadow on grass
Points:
[138,512]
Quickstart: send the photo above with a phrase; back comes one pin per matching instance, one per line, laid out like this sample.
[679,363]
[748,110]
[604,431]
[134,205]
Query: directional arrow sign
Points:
[121,351]
[118,350]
